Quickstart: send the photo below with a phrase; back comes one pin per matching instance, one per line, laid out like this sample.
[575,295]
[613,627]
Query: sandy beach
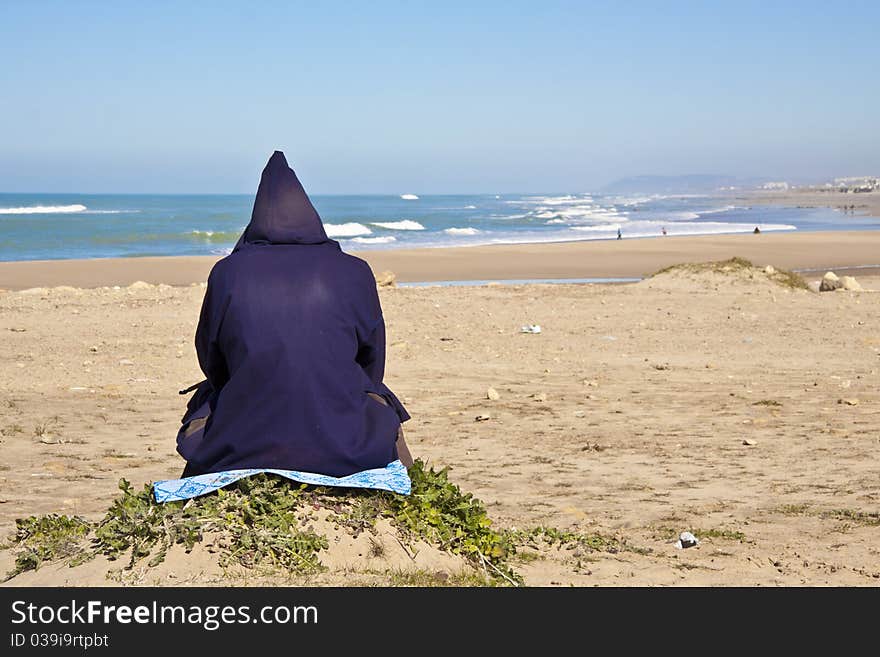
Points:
[591,259]
[629,414]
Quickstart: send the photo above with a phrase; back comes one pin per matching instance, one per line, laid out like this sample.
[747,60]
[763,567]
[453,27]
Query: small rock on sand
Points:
[482,417]
[830,282]
[540,397]
[492,394]
[749,442]
[386,279]
[848,402]
[851,284]
[769,270]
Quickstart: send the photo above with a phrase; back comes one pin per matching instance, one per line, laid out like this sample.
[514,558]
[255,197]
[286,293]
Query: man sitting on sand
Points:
[291,339]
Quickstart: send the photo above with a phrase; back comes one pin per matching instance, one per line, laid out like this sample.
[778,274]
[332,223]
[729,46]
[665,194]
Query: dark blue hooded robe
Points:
[291,339]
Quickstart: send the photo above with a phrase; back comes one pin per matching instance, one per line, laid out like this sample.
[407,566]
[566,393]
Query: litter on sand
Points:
[530,328]
[686,540]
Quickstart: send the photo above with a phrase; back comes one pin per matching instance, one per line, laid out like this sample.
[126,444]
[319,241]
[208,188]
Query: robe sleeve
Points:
[371,357]
[210,356]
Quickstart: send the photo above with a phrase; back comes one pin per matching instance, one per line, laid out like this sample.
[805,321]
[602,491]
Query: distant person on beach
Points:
[619,235]
[664,231]
[291,340]
[757,231]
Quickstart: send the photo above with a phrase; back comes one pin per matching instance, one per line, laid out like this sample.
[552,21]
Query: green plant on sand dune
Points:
[260,521]
[43,538]
[738,266]
[265,521]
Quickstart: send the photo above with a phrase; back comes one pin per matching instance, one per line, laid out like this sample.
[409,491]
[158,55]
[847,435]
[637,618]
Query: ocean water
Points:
[59,226]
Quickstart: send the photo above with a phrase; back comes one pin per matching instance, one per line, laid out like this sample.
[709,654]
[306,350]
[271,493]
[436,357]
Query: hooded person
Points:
[291,340]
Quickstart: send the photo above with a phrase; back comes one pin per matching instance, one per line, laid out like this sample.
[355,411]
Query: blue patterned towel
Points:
[393,477]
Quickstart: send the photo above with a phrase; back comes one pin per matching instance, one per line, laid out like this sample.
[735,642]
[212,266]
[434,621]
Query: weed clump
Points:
[46,538]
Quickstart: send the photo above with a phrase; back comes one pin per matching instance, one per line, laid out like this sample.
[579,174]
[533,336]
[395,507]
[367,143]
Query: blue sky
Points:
[432,96]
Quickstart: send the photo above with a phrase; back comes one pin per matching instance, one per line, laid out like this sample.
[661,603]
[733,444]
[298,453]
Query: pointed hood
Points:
[283,213]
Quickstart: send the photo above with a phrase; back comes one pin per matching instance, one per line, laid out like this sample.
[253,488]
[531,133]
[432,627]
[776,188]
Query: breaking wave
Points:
[406,224]
[375,240]
[351,229]
[462,231]
[45,209]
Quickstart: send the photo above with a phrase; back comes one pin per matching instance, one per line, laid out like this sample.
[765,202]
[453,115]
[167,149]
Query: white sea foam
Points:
[470,207]
[350,229]
[552,200]
[726,208]
[375,240]
[581,213]
[462,231]
[406,224]
[639,229]
[655,229]
[45,209]
[635,201]
[409,197]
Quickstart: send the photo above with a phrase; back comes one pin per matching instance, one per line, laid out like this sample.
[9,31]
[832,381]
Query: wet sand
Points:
[865,203]
[596,259]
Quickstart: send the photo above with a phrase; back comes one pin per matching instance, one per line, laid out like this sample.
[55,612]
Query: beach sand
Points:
[593,259]
[626,415]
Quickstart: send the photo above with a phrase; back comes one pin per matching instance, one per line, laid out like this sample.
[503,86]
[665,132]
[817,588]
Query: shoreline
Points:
[593,259]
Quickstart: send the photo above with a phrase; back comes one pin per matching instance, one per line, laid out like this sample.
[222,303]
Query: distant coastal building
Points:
[775,186]
[856,184]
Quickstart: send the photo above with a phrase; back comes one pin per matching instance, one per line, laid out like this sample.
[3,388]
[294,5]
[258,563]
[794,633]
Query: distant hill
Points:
[690,184]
